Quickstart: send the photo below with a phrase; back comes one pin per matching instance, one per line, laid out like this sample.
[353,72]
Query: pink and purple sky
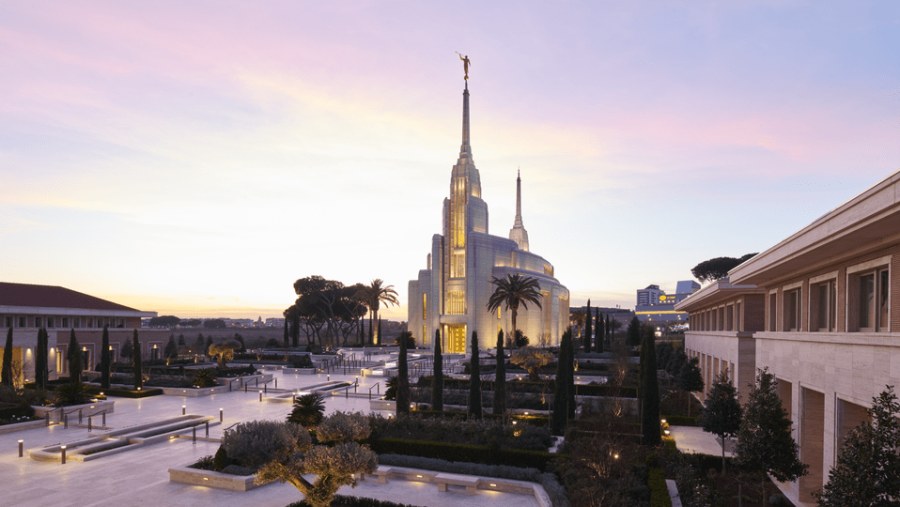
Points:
[195,158]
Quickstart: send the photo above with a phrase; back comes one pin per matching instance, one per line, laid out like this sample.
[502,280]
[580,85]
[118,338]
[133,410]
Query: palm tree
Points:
[308,410]
[512,291]
[377,294]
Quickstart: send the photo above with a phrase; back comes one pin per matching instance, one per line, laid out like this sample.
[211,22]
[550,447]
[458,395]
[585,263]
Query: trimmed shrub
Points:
[255,443]
[463,452]
[659,493]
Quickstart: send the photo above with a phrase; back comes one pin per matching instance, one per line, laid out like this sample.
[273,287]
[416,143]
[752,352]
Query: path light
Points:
[183,409]
[21,447]
[221,415]
[260,395]
[63,449]
[667,432]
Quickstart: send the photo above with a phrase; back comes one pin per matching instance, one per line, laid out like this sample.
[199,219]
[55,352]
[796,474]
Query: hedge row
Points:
[682,420]
[659,493]
[463,452]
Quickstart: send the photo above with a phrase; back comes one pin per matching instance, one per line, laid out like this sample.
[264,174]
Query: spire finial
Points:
[518,232]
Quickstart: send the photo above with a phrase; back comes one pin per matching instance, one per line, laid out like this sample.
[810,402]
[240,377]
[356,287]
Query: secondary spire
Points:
[518,232]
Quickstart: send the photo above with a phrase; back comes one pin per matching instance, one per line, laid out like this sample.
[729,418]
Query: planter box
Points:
[211,479]
[299,371]
[87,409]
[388,405]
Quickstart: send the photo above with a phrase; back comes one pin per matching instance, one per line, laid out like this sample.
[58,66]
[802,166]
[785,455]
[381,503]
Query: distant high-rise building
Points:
[654,305]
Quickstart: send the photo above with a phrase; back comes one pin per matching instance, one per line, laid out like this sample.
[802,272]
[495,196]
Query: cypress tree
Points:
[40,361]
[379,336]
[609,333]
[75,356]
[474,380]
[570,380]
[634,332]
[127,351]
[588,327]
[403,376]
[437,382]
[138,365]
[500,379]
[287,337]
[599,332]
[560,394]
[6,377]
[105,359]
[295,330]
[649,391]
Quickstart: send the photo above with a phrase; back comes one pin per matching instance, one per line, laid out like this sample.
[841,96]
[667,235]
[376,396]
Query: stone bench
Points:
[444,480]
[381,473]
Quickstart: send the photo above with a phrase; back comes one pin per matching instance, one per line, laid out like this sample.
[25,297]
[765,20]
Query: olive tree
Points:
[337,460]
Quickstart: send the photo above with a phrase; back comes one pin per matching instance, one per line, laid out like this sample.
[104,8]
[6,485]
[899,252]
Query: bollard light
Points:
[207,429]
[63,449]
[194,434]
[183,409]
[276,383]
[21,448]
[221,415]
[260,395]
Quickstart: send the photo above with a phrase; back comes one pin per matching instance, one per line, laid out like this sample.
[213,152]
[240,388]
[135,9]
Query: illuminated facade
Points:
[452,292]
[655,306]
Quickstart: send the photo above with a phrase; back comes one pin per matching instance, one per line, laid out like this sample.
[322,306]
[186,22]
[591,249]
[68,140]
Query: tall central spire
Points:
[518,222]
[465,148]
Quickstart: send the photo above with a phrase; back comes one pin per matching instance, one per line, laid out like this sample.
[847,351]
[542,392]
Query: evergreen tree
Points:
[287,336]
[209,342]
[599,331]
[474,380]
[588,327]
[6,376]
[105,359]
[722,414]
[138,363]
[40,360]
[561,398]
[127,351]
[765,445]
[570,380]
[500,379]
[403,375]
[609,332]
[171,350]
[690,379]
[75,356]
[649,390]
[379,336]
[634,332]
[437,382]
[868,466]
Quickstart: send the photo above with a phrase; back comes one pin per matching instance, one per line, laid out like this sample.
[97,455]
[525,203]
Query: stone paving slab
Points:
[140,477]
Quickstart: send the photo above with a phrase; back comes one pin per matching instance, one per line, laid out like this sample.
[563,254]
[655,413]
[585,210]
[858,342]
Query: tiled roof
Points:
[48,296]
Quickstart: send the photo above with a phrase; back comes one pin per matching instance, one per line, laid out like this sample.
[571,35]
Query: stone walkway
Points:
[140,477]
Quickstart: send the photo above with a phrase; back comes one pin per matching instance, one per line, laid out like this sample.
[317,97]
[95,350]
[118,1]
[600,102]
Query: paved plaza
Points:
[140,476]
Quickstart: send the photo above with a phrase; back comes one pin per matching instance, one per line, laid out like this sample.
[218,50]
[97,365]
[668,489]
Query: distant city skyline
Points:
[196,159]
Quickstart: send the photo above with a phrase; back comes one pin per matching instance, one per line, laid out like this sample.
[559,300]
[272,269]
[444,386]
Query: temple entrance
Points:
[456,339]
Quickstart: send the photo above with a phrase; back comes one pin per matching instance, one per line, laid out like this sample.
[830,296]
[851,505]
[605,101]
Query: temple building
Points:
[451,293]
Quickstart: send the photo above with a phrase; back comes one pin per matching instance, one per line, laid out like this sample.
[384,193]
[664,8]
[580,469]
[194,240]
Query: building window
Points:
[773,306]
[9,321]
[37,322]
[65,322]
[868,300]
[792,310]
[50,322]
[729,318]
[458,264]
[822,306]
[21,321]
[456,302]
[424,308]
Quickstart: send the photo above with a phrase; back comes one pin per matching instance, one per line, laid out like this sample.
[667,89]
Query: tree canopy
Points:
[513,291]
[722,414]
[868,466]
[717,267]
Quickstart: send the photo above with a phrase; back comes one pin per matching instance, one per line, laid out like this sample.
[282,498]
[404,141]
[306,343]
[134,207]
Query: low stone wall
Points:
[211,479]
[86,409]
[27,425]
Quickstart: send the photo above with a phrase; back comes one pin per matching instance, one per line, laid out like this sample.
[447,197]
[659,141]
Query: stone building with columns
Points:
[821,311]
[451,293]
[26,308]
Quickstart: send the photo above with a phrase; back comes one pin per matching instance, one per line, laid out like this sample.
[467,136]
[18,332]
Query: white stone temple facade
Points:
[451,293]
